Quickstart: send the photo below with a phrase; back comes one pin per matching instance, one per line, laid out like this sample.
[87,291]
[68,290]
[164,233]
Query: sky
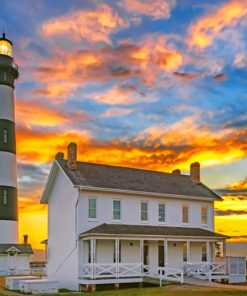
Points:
[149,84]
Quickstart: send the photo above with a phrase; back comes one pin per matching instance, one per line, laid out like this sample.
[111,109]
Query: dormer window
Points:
[5,136]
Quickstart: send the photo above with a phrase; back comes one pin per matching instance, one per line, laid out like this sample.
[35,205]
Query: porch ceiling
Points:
[145,230]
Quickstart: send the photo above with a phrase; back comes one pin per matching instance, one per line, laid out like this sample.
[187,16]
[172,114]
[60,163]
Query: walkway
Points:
[204,283]
[8,293]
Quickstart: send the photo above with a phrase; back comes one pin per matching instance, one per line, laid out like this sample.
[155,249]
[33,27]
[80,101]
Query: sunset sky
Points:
[151,84]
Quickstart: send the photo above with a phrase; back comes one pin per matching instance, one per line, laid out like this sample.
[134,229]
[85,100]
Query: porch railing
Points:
[164,273]
[205,270]
[128,270]
[112,270]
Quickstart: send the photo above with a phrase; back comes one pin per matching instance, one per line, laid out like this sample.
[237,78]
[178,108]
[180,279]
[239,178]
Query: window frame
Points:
[188,214]
[96,211]
[203,215]
[141,211]
[163,221]
[114,210]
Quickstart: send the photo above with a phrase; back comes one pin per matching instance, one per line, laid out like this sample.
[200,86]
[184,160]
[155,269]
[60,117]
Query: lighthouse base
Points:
[8,232]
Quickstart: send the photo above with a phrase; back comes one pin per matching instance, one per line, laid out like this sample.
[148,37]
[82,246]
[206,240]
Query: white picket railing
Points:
[164,273]
[205,270]
[111,270]
[128,270]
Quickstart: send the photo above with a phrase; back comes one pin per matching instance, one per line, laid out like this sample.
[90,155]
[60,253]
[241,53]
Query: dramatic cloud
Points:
[34,113]
[93,25]
[147,61]
[203,32]
[156,9]
[220,77]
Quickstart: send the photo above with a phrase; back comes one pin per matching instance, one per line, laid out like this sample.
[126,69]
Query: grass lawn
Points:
[169,290]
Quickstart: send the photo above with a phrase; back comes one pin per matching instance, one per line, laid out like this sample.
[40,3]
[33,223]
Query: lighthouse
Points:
[8,178]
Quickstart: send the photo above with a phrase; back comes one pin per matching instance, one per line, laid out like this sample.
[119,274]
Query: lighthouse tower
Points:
[8,178]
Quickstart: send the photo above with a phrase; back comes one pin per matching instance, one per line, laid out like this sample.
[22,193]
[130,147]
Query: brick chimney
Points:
[59,155]
[72,156]
[177,172]
[25,239]
[195,172]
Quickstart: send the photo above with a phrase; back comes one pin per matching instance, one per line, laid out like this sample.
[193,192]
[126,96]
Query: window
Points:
[92,208]
[116,209]
[162,216]
[5,196]
[204,252]
[144,211]
[204,214]
[185,214]
[5,76]
[185,259]
[5,136]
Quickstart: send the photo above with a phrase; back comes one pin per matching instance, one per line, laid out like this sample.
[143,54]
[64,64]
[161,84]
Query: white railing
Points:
[128,270]
[111,270]
[164,273]
[205,270]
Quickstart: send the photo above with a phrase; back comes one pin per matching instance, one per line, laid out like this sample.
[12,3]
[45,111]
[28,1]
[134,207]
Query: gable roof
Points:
[23,249]
[146,230]
[109,177]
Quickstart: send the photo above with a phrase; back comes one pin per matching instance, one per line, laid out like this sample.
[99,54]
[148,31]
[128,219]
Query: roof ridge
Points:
[127,167]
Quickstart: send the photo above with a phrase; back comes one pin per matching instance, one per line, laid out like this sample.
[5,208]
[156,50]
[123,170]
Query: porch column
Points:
[141,255]
[224,255]
[188,251]
[117,256]
[166,252]
[92,256]
[208,251]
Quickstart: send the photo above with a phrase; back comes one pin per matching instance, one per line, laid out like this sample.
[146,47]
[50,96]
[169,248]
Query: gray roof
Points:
[146,230]
[25,249]
[124,178]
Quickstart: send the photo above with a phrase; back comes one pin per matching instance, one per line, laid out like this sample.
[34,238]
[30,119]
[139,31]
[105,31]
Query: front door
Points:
[145,255]
[161,257]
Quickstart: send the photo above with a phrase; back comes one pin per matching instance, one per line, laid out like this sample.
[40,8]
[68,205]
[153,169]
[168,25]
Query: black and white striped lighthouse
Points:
[8,178]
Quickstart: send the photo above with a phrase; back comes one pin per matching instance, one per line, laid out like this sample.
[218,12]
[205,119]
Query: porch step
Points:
[151,280]
[200,282]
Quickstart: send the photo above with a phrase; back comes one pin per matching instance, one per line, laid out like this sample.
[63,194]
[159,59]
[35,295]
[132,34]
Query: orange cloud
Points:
[93,25]
[144,61]
[37,146]
[238,185]
[35,113]
[159,147]
[156,9]
[203,32]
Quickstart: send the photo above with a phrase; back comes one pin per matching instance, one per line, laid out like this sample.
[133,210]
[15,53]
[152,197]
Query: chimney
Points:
[177,172]
[195,172]
[25,239]
[72,156]
[59,155]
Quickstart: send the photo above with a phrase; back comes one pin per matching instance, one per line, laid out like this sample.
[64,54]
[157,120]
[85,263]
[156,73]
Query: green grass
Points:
[164,291]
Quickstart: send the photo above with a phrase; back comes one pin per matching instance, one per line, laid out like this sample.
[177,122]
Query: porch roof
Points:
[146,230]
[23,249]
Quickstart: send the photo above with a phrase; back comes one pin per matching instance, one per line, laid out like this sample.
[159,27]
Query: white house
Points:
[110,224]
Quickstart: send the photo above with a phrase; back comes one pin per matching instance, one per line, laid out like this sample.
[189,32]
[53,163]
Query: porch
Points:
[131,259]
